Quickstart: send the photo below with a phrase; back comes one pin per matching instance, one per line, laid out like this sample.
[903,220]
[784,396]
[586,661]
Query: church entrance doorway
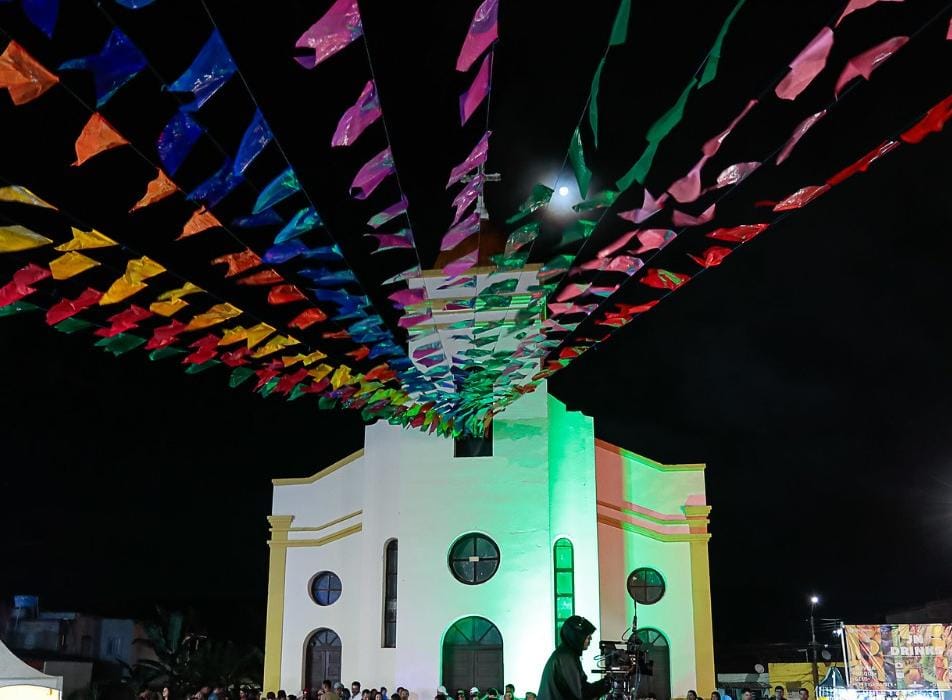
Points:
[472,655]
[323,658]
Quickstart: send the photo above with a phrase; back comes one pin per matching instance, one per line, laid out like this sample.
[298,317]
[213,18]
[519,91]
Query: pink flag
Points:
[855,5]
[654,239]
[474,160]
[339,26]
[375,171]
[868,61]
[713,145]
[650,207]
[359,117]
[393,241]
[733,174]
[470,100]
[948,34]
[688,188]
[466,196]
[618,244]
[391,212]
[572,291]
[483,31]
[461,265]
[798,133]
[679,218]
[806,66]
[459,233]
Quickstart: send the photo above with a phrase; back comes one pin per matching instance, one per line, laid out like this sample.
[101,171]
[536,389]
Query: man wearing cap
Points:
[563,677]
[474,693]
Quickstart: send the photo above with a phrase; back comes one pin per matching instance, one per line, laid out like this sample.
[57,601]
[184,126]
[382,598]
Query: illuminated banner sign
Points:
[899,657]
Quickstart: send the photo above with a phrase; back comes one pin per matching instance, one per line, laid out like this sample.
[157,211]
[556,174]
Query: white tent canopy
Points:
[20,681]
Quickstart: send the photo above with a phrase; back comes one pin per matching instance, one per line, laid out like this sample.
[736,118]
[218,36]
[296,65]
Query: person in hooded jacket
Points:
[563,677]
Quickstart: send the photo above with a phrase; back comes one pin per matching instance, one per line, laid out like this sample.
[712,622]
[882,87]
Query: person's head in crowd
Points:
[355,689]
[715,695]
[745,694]
[804,694]
[530,695]
[692,695]
[778,692]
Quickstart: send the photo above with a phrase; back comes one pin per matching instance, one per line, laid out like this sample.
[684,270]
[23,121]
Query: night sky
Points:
[811,371]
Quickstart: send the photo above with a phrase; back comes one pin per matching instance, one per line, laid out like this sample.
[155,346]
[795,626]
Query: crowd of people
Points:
[748,694]
[338,691]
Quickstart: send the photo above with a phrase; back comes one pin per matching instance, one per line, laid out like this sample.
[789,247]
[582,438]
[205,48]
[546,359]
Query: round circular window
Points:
[645,586]
[474,558]
[325,588]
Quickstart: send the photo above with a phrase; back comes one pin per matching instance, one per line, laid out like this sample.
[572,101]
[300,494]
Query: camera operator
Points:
[563,677]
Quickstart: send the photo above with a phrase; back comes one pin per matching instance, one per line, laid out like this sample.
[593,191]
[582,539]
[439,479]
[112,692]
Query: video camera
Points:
[624,663]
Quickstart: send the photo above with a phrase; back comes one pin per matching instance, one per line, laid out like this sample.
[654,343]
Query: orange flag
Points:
[160,188]
[98,136]
[201,220]
[22,75]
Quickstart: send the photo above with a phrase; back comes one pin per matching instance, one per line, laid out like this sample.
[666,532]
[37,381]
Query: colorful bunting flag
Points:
[356,119]
[116,64]
[338,28]
[483,31]
[22,75]
[97,136]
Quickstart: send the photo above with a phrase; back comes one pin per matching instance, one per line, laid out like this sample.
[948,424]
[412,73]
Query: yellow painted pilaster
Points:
[274,622]
[703,624]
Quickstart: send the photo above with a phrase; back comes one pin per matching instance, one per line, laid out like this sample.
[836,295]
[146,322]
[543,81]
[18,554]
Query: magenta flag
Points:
[469,194]
[470,100]
[473,160]
[339,26]
[408,297]
[403,239]
[865,63]
[462,264]
[357,118]
[459,233]
[798,133]
[375,171]
[391,212]
[808,64]
[483,31]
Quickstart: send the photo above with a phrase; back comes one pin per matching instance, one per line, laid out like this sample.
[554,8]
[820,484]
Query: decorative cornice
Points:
[627,454]
[646,532]
[322,473]
[340,534]
[652,516]
[328,524]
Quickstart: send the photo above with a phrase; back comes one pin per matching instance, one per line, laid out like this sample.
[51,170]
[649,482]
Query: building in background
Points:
[410,564]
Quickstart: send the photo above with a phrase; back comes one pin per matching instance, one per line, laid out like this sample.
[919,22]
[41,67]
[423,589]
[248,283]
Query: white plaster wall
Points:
[673,615]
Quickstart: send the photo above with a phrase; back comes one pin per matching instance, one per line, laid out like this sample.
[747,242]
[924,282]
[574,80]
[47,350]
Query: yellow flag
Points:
[341,377]
[84,240]
[253,335]
[132,280]
[219,313]
[272,346]
[71,264]
[307,360]
[15,193]
[16,238]
[168,308]
[176,294]
[321,371]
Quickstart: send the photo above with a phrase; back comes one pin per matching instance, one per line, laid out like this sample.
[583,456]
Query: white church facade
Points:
[404,564]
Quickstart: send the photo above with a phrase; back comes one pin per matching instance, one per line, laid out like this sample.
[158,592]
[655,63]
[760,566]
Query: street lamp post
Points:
[814,600]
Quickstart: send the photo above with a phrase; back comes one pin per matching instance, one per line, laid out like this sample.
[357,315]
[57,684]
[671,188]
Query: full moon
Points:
[563,191]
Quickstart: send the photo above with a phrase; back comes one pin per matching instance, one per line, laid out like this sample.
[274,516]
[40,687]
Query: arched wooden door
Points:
[659,682]
[472,655]
[323,658]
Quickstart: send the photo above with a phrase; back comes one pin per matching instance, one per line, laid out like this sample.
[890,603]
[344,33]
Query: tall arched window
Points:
[659,682]
[323,658]
[563,556]
[390,595]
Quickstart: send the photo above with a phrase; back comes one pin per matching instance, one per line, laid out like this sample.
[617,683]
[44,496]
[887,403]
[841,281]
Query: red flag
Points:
[265,277]
[712,257]
[205,349]
[863,163]
[20,287]
[307,318]
[238,262]
[737,234]
[124,321]
[933,122]
[663,279]
[285,294]
[165,335]
[801,197]
[67,308]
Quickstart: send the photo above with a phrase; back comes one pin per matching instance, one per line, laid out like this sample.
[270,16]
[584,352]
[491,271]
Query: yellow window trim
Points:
[322,473]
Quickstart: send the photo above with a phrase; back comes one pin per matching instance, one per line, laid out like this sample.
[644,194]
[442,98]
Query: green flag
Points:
[710,67]
[593,101]
[620,28]
[583,176]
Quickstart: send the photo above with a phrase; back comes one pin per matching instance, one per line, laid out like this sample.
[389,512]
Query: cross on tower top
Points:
[480,198]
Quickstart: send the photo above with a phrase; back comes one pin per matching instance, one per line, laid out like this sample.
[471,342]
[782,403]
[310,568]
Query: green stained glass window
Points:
[563,556]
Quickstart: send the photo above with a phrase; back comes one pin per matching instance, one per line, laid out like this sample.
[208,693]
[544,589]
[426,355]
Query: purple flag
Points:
[375,171]
[359,117]
[459,233]
[469,194]
[461,265]
[470,100]
[483,32]
[473,161]
[339,26]
[393,241]
[408,297]
[391,212]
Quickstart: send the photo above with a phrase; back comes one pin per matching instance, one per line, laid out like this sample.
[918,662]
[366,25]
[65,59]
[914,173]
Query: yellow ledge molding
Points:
[660,519]
[660,536]
[322,473]
[627,454]
[326,525]
[346,532]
